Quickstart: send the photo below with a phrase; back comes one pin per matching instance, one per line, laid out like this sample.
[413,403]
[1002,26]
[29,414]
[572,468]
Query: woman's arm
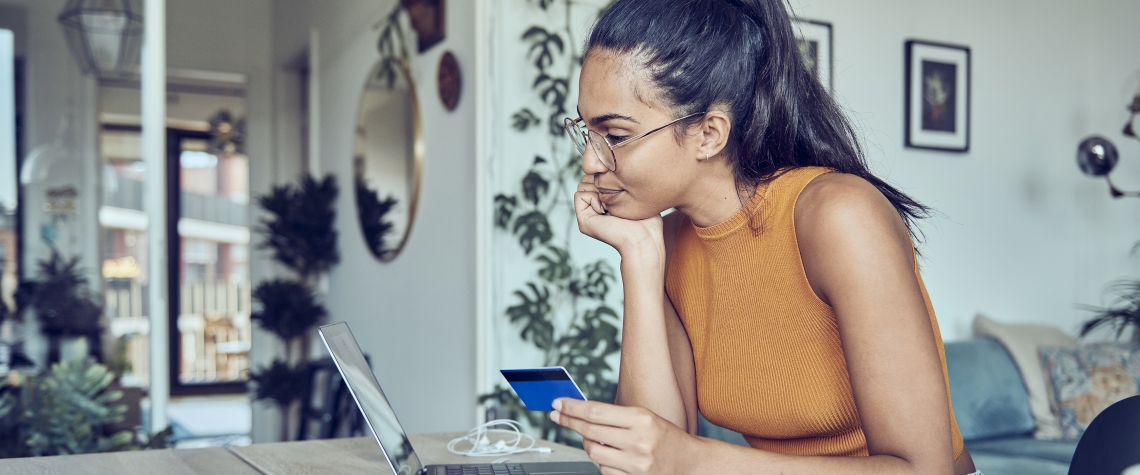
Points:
[643,366]
[858,259]
[646,377]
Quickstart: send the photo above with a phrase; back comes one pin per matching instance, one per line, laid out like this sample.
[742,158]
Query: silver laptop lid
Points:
[370,398]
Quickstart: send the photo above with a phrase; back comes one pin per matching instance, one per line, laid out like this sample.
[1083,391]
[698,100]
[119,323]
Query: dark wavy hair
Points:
[742,55]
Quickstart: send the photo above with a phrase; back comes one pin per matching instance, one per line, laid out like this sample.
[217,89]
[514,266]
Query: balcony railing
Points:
[214,327]
[128,194]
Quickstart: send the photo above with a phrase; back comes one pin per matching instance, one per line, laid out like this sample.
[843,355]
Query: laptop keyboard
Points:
[486,469]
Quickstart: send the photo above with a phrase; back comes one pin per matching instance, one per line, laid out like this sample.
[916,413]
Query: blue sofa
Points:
[992,409]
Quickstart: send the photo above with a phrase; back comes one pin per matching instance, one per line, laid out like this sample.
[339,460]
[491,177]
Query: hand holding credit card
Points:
[539,387]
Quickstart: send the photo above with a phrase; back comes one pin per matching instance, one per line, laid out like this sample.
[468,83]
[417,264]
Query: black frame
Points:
[174,138]
[21,273]
[830,49]
[907,94]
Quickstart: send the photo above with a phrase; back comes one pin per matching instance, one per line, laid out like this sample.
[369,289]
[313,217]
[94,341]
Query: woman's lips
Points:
[607,195]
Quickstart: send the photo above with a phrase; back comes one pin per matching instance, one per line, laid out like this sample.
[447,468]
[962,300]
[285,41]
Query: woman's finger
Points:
[602,413]
[612,436]
[612,471]
[586,199]
[603,455]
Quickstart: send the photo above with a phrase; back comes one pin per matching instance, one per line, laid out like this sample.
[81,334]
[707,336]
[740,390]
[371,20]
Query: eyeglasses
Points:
[580,135]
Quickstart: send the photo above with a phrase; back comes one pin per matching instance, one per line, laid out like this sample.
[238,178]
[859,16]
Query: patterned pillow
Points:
[1089,378]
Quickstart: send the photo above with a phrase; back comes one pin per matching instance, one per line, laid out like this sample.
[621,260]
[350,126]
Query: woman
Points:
[782,298]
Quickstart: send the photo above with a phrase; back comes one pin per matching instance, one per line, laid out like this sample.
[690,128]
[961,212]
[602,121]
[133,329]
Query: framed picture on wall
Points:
[814,38]
[937,96]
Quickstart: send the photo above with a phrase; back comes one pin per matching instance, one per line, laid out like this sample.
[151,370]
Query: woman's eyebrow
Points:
[594,121]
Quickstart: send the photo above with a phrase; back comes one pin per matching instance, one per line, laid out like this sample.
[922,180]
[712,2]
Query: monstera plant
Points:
[563,310]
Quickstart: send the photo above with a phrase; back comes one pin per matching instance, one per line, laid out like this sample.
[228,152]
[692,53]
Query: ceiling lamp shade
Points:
[104,36]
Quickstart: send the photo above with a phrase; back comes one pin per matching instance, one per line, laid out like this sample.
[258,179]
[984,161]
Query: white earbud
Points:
[481,446]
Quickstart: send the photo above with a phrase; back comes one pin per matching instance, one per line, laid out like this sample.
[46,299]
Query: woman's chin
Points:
[632,213]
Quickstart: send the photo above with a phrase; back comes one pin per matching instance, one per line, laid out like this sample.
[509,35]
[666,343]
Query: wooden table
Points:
[151,462]
[331,456]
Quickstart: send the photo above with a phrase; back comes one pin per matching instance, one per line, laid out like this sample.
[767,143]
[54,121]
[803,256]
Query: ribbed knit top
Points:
[769,363]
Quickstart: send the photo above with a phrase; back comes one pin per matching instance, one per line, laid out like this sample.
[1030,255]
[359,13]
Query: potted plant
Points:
[71,409]
[1122,315]
[299,231]
[64,305]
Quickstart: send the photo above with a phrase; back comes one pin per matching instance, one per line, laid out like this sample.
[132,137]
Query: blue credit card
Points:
[539,387]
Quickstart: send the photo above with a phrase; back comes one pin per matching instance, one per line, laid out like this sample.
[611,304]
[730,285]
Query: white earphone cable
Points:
[481,446]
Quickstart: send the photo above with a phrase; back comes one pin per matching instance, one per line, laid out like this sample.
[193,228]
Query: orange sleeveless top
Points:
[769,363]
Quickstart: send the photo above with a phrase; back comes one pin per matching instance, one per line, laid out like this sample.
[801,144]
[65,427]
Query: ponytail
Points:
[743,56]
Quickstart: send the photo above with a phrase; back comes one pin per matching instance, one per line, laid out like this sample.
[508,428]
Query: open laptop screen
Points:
[366,390]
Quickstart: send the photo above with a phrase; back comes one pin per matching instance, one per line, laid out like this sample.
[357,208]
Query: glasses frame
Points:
[578,125]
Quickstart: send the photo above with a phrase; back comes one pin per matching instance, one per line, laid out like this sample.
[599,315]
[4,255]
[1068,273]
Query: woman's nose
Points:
[591,164]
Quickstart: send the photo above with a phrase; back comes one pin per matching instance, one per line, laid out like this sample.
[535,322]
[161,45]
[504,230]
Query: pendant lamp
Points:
[104,36]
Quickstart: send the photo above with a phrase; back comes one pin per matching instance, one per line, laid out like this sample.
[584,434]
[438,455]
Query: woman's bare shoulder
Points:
[839,203]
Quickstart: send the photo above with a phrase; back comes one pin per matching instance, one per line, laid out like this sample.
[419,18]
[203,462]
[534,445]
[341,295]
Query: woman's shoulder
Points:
[833,205]
[841,206]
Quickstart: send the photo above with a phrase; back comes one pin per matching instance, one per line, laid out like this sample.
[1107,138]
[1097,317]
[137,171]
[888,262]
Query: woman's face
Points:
[652,172]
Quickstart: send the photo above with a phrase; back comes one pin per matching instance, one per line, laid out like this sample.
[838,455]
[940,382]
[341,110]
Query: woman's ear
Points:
[714,134]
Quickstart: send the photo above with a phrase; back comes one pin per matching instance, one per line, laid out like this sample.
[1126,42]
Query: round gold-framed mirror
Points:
[388,154]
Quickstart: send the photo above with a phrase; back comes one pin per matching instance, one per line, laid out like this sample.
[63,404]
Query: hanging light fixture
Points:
[104,36]
[1097,156]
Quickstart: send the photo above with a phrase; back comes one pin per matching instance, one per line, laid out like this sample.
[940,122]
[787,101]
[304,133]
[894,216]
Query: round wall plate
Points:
[450,81]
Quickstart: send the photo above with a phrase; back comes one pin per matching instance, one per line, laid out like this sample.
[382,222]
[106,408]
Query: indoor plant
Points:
[299,231]
[1123,313]
[63,304]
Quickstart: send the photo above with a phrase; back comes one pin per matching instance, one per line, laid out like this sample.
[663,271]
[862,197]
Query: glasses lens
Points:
[602,148]
[575,134]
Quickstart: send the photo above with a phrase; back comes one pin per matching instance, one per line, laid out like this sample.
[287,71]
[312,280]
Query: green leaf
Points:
[504,209]
[300,227]
[534,187]
[555,265]
[524,119]
[555,92]
[532,228]
[280,383]
[596,282]
[286,308]
[532,313]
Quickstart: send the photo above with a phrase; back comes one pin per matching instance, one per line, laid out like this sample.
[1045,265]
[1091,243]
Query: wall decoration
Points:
[428,19]
[814,38]
[450,81]
[937,96]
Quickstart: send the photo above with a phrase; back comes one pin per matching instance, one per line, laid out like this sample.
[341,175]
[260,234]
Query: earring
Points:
[706,156]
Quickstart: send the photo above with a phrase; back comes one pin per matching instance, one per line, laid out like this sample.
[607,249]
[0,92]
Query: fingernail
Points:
[554,416]
[557,404]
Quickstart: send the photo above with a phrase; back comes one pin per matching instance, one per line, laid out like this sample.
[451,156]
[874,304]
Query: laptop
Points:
[390,434]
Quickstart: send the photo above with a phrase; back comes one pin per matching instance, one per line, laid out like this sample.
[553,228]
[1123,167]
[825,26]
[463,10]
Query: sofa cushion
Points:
[986,391]
[1089,378]
[1056,450]
[999,464]
[1022,340]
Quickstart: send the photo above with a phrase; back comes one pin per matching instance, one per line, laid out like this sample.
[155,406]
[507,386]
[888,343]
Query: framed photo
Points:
[814,38]
[937,96]
[428,19]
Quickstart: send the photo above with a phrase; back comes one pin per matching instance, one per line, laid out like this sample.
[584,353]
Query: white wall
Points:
[415,316]
[1022,235]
